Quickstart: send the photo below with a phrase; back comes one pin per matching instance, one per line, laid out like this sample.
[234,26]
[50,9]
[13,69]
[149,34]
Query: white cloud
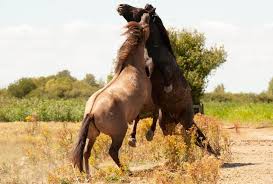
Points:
[249,65]
[34,51]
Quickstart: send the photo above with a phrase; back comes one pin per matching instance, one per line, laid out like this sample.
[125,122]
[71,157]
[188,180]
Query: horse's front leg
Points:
[132,138]
[157,116]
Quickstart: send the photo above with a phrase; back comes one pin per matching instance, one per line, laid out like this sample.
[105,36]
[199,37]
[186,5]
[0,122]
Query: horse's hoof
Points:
[129,172]
[132,142]
[88,177]
[168,89]
[149,135]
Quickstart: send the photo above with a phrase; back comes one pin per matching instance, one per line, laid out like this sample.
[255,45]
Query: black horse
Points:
[175,106]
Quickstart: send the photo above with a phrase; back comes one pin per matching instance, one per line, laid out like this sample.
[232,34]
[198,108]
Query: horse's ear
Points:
[153,10]
[150,8]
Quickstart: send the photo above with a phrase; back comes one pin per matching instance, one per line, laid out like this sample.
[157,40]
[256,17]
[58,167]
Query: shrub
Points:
[194,59]
[22,87]
[270,87]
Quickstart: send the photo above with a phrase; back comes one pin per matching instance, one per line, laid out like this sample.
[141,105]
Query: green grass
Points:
[12,109]
[241,112]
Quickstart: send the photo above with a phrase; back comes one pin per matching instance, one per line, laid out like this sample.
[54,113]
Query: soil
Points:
[252,157]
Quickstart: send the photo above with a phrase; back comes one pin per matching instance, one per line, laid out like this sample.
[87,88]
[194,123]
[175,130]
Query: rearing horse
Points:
[120,101]
[174,106]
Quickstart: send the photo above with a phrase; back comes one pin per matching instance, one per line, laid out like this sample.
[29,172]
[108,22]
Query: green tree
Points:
[81,89]
[101,82]
[3,92]
[270,87]
[194,59]
[22,87]
[64,73]
[90,79]
[59,87]
[109,77]
[219,89]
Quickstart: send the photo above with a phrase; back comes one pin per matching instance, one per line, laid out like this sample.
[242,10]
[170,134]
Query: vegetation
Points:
[235,110]
[22,87]
[13,109]
[242,113]
[195,60]
[61,85]
[237,97]
[270,87]
[247,108]
[220,89]
[35,152]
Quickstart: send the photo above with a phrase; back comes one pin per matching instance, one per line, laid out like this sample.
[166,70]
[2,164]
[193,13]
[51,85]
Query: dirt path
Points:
[252,161]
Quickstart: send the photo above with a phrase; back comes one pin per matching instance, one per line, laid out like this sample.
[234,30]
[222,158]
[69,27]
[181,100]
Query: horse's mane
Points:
[163,33]
[135,36]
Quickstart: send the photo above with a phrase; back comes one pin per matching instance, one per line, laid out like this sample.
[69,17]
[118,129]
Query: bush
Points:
[22,87]
[61,85]
[270,87]
[195,60]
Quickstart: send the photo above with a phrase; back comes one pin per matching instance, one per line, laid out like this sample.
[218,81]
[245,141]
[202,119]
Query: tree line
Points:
[220,95]
[61,85]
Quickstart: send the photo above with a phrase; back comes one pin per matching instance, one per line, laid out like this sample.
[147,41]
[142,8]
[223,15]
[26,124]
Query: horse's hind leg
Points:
[163,121]
[115,146]
[200,138]
[93,133]
[132,139]
[157,116]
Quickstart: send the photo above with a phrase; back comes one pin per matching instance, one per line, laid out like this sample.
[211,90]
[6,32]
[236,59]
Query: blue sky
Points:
[43,37]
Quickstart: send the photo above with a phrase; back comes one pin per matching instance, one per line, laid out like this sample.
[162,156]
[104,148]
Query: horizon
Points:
[98,80]
[43,38]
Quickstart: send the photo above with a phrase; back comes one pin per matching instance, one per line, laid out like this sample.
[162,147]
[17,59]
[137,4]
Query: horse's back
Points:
[122,100]
[178,102]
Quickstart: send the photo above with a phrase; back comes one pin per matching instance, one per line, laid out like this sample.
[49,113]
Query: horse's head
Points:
[137,34]
[139,30]
[130,13]
[135,14]
[158,32]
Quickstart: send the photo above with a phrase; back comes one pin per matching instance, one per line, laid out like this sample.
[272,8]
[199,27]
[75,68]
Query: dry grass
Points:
[35,152]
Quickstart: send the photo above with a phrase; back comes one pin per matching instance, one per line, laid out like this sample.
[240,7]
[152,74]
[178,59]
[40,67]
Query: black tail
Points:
[77,154]
[200,138]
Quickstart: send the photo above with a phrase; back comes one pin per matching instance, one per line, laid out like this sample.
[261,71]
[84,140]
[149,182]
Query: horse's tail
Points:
[77,153]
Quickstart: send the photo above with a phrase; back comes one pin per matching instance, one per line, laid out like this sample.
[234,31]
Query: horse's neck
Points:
[137,58]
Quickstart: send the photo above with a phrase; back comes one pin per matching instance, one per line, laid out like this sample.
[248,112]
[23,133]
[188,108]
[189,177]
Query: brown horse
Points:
[175,106]
[120,101]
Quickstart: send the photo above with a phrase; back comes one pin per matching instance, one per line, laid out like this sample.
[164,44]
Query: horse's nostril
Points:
[120,8]
[120,5]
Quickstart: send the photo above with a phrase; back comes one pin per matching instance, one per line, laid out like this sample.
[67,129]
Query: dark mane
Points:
[135,36]
[163,33]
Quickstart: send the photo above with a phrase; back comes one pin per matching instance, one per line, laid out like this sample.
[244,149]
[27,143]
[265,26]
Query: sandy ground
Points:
[252,153]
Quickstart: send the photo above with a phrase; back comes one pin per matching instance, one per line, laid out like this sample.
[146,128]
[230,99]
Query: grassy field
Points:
[242,113]
[13,109]
[71,110]
[36,152]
